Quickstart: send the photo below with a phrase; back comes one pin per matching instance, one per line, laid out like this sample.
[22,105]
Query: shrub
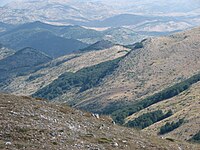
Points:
[196,138]
[84,79]
[148,119]
[126,110]
[168,127]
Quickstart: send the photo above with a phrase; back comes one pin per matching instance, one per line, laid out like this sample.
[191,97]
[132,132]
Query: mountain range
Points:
[100,75]
[57,41]
[127,83]
[101,14]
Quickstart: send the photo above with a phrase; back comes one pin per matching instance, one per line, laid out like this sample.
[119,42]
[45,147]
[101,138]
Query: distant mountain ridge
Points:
[100,45]
[5,52]
[102,14]
[40,37]
[21,62]
[61,40]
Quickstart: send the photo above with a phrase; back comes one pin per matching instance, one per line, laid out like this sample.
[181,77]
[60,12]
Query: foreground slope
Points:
[28,123]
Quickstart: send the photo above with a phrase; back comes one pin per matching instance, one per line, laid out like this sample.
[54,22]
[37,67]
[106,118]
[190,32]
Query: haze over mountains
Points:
[180,15]
[120,65]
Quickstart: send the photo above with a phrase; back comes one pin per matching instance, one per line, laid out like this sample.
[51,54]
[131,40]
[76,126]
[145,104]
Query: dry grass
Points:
[57,127]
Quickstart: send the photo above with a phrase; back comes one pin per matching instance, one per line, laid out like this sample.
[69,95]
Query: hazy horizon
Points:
[137,6]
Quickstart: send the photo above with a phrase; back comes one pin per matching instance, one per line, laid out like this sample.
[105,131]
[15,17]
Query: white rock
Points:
[8,143]
[115,144]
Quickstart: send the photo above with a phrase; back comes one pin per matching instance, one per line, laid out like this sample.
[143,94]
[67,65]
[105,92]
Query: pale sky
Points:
[3,2]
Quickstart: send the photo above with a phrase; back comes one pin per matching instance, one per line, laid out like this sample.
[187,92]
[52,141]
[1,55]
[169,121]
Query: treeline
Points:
[196,138]
[168,127]
[148,119]
[123,112]
[135,46]
[84,79]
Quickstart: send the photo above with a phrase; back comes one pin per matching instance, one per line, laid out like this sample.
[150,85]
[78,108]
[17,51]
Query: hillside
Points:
[162,62]
[100,45]
[42,40]
[28,123]
[21,62]
[185,105]
[22,35]
[5,52]
[175,15]
[153,77]
[47,73]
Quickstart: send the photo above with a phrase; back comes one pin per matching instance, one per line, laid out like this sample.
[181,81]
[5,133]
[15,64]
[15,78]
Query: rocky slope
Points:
[28,123]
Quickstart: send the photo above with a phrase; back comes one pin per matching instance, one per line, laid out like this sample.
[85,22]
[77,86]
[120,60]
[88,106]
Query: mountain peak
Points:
[100,45]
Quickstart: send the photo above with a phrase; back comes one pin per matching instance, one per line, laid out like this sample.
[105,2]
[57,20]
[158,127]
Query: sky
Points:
[3,2]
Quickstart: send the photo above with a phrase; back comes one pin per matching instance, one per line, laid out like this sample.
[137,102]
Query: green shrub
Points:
[84,79]
[168,127]
[196,138]
[148,119]
[127,110]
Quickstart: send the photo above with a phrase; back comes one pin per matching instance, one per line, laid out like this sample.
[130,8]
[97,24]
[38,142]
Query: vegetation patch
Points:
[168,127]
[148,119]
[135,46]
[33,77]
[104,140]
[196,138]
[127,110]
[84,79]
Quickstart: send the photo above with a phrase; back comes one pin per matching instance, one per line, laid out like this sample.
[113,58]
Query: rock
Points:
[124,141]
[8,143]
[115,144]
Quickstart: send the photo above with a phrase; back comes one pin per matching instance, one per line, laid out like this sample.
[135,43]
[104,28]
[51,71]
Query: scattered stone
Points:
[8,143]
[115,144]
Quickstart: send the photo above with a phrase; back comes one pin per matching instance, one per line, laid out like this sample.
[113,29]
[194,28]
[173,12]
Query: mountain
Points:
[125,20]
[152,79]
[45,74]
[123,36]
[100,45]
[69,32]
[21,62]
[178,15]
[42,40]
[5,52]
[5,27]
[150,69]
[154,7]
[38,10]
[62,127]
[35,33]
[184,106]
